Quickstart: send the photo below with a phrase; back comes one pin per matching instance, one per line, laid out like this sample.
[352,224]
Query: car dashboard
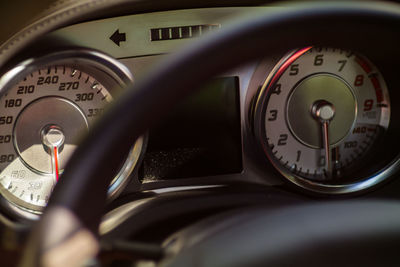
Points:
[246,135]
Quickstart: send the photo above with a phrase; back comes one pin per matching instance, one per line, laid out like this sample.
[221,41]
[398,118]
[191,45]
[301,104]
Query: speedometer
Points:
[319,116]
[47,106]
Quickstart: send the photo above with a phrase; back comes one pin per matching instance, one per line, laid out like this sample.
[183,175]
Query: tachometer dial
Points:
[48,105]
[319,114]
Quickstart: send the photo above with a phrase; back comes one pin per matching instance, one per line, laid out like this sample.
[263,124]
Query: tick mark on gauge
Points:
[48,70]
[22,193]
[63,69]
[80,75]
[15,189]
[349,54]
[104,97]
[98,92]
[73,73]
[94,85]
[31,197]
[37,198]
[9,186]
[55,69]
[271,146]
[292,168]
[87,79]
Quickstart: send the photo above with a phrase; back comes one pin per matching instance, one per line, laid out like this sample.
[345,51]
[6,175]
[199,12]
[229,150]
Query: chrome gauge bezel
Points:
[109,72]
[261,99]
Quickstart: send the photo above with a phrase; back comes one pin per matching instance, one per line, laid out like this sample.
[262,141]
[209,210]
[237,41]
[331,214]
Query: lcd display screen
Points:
[201,137]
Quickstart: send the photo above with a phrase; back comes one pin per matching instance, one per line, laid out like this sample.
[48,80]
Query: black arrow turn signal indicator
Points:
[118,37]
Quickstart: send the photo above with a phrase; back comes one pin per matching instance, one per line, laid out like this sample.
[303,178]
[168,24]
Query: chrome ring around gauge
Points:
[318,116]
[47,105]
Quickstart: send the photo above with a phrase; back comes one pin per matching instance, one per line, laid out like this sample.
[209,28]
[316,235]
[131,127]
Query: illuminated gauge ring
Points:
[106,77]
[320,183]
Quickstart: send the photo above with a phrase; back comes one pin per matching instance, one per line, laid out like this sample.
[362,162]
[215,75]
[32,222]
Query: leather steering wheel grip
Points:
[81,194]
[340,233]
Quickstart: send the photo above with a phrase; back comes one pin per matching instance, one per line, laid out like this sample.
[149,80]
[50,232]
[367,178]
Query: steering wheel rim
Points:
[271,237]
[81,209]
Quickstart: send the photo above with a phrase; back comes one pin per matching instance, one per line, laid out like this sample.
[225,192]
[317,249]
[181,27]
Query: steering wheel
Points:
[338,232]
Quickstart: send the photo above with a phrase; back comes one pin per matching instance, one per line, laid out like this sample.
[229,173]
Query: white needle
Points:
[324,112]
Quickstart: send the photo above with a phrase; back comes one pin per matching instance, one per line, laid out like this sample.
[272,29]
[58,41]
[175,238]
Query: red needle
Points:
[56,162]
[53,138]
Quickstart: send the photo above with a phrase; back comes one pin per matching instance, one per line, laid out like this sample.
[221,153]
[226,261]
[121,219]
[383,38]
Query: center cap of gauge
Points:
[311,94]
[41,121]
[52,136]
[323,110]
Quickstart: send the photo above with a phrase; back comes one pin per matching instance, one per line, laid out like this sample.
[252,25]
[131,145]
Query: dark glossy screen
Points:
[201,137]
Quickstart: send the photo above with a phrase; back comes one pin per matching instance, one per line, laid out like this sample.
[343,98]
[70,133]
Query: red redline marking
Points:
[287,63]
[378,89]
[375,82]
[366,67]
[56,162]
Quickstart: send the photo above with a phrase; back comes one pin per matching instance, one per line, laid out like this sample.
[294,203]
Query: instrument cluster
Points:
[320,118]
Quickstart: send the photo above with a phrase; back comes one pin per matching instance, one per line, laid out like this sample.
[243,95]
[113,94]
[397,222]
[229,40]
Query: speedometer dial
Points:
[319,115]
[49,105]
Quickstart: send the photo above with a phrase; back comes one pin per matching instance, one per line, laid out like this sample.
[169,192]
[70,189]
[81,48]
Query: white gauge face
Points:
[42,120]
[325,109]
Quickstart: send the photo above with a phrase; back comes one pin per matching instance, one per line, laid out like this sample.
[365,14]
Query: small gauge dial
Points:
[320,113]
[44,115]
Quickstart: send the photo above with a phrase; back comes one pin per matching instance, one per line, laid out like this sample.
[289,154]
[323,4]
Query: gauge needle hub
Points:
[53,139]
[324,112]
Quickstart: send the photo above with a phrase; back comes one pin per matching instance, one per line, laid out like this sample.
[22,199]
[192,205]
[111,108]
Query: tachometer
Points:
[319,114]
[47,106]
